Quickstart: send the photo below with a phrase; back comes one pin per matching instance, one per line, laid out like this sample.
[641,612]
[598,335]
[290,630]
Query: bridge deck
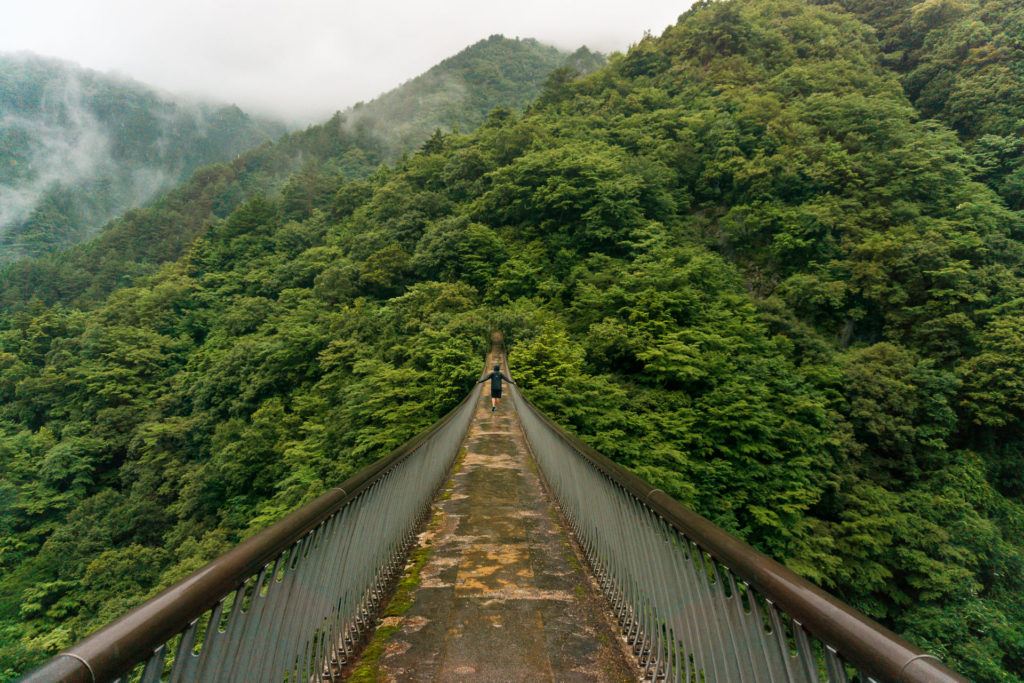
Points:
[501,596]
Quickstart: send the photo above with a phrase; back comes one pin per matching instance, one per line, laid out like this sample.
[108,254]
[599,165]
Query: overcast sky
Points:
[304,59]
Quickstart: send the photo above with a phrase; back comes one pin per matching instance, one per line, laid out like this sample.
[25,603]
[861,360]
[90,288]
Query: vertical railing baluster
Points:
[183,669]
[805,654]
[154,670]
[212,642]
[834,666]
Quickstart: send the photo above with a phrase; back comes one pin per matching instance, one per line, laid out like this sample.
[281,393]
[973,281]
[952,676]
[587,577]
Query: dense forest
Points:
[78,148]
[737,259]
[962,62]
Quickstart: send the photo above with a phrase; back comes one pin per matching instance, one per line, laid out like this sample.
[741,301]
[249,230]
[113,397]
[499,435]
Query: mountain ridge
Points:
[460,90]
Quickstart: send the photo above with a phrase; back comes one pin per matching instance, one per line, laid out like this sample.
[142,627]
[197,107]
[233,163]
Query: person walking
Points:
[495,376]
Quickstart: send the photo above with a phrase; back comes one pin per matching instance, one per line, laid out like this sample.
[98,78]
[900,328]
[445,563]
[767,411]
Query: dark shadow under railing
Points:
[698,604]
[290,603]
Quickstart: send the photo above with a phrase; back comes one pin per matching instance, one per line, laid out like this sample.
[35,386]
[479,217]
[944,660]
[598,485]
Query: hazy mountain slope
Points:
[962,62]
[78,147]
[458,92]
[497,72]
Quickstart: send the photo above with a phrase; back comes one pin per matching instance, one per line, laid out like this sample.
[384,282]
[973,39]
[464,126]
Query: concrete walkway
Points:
[502,596]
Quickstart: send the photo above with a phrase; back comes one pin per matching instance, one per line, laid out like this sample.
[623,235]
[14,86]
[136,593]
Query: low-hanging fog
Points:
[78,147]
[301,61]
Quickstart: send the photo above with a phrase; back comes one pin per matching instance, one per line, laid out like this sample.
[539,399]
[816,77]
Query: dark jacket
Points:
[496,376]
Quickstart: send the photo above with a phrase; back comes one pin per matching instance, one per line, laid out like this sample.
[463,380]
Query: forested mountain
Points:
[736,259]
[458,93]
[78,148]
[962,62]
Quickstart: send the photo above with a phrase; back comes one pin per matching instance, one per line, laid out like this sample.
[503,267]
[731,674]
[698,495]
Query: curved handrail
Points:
[131,639]
[858,638]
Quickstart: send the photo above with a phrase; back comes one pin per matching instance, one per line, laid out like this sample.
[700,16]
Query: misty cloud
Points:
[66,145]
[304,60]
[78,148]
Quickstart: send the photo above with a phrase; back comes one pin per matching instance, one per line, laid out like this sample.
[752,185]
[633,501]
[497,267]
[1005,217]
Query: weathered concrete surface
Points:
[502,597]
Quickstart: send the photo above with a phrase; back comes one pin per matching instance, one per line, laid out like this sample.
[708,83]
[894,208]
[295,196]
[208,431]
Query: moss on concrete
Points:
[367,669]
[402,599]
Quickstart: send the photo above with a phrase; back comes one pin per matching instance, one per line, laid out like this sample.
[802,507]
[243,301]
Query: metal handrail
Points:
[140,635]
[875,651]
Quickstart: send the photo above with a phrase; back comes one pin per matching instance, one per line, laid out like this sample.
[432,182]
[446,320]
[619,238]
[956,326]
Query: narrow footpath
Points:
[501,595]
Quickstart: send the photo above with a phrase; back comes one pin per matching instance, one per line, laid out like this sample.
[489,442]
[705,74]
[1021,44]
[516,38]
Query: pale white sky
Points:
[304,59]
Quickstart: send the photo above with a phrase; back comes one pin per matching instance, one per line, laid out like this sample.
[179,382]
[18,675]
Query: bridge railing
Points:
[289,604]
[697,604]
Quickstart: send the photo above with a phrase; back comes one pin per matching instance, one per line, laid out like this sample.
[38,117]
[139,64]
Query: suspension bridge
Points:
[495,547]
